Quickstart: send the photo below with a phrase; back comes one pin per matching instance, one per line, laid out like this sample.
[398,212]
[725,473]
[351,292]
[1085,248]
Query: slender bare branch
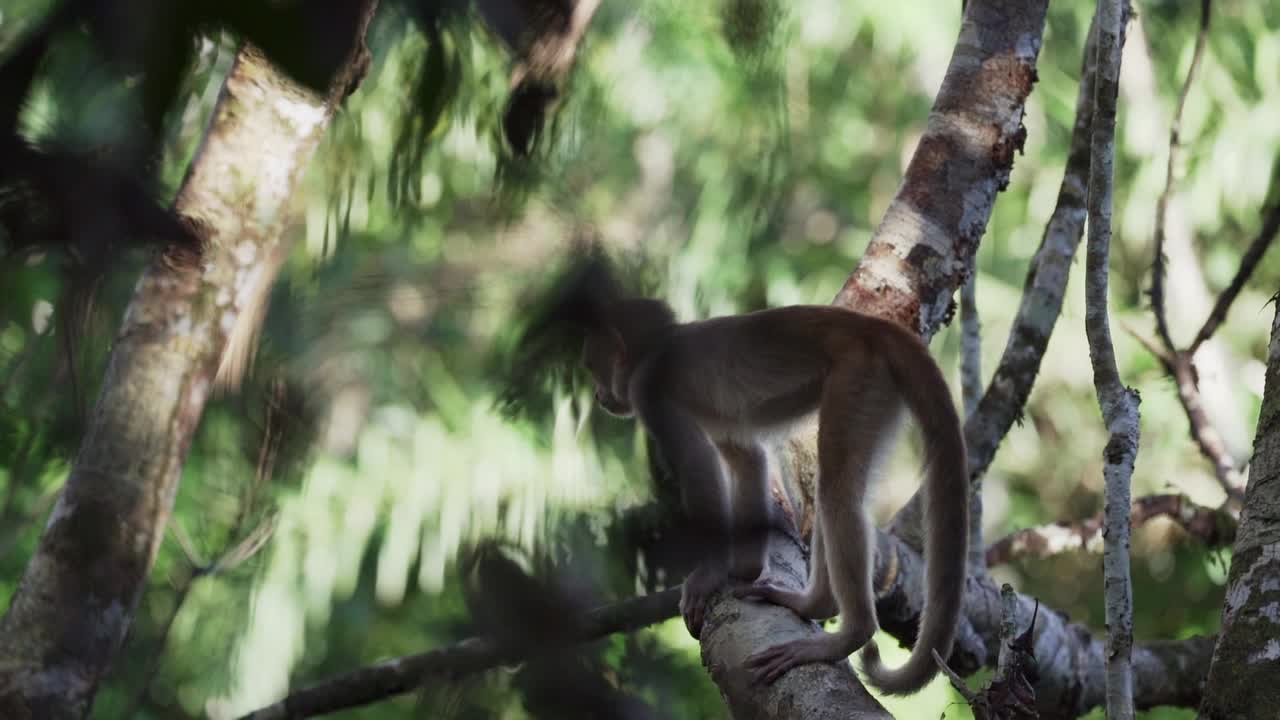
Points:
[1257,248]
[1179,362]
[1162,205]
[393,677]
[1045,286]
[1205,433]
[956,681]
[1215,527]
[1118,403]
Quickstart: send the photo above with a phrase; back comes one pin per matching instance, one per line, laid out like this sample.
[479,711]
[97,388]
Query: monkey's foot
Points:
[696,594]
[800,603]
[772,663]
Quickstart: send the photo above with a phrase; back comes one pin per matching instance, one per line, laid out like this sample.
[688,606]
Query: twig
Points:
[957,682]
[400,675]
[1179,362]
[1162,204]
[228,559]
[1118,403]
[1215,527]
[1205,433]
[1011,693]
[1257,248]
[1149,345]
[1008,630]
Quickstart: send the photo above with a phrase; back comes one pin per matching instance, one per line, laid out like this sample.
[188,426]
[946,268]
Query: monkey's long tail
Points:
[946,518]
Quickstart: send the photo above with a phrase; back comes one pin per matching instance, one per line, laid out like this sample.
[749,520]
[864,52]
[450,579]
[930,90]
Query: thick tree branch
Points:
[924,243]
[76,600]
[1071,661]
[1215,527]
[1119,404]
[733,630]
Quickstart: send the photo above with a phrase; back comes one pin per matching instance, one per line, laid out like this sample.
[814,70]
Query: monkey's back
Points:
[764,369]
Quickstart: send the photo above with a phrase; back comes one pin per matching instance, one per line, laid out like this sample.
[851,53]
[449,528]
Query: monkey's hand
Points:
[699,586]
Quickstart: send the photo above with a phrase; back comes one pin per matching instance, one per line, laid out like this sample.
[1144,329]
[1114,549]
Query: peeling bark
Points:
[918,255]
[1242,678]
[76,600]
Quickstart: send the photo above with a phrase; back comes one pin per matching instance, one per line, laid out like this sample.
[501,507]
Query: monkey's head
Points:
[624,333]
[604,355]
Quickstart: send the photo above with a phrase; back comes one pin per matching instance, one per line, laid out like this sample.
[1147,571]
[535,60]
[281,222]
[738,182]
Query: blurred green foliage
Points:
[747,148]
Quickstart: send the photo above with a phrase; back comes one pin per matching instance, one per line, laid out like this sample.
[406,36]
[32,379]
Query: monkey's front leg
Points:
[696,466]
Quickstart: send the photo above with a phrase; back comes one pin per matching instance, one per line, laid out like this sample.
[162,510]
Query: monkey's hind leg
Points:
[815,602]
[857,419]
[749,467]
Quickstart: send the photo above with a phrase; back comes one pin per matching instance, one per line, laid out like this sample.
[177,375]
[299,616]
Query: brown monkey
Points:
[713,390]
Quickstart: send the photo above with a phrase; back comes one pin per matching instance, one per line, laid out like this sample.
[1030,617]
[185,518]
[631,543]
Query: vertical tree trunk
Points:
[1243,676]
[76,600]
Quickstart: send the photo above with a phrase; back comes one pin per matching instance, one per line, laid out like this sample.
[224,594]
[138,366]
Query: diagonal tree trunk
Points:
[76,600]
[1246,662]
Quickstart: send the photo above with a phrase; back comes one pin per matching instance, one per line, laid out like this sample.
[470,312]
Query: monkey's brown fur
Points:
[716,388]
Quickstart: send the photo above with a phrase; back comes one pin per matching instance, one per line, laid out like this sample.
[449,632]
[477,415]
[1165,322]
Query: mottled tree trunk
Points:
[76,600]
[1244,677]
[918,257]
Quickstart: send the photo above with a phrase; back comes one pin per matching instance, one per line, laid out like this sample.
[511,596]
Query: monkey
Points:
[716,390]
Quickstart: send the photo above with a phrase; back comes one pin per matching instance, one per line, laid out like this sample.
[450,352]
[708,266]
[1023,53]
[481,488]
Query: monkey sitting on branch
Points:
[716,390]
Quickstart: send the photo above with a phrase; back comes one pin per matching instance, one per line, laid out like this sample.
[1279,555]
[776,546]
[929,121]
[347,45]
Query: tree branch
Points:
[1071,661]
[1043,292]
[1162,204]
[404,674]
[971,391]
[1215,527]
[1118,403]
[1261,243]
[920,251]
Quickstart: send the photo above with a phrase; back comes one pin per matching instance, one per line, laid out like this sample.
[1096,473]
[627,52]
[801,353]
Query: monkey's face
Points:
[604,358]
